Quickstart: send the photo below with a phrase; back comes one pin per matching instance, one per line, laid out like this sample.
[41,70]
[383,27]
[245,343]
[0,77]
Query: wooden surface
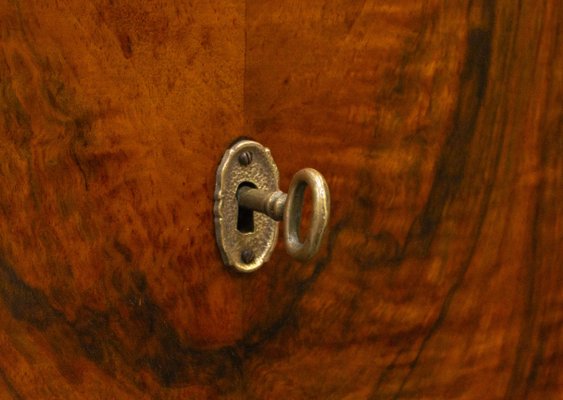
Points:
[436,123]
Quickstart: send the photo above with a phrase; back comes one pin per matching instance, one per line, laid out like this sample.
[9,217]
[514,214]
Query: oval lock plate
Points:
[245,238]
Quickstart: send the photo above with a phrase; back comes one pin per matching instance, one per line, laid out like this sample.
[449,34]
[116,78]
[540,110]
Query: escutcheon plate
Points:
[246,162]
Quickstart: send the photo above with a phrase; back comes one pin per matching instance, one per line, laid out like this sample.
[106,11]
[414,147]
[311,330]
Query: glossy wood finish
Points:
[115,115]
[437,125]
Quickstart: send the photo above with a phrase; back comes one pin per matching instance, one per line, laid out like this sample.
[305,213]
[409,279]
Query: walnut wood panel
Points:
[436,123]
[438,127]
[114,115]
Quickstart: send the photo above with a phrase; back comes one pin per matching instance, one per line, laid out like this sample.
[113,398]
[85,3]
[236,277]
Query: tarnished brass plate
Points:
[246,162]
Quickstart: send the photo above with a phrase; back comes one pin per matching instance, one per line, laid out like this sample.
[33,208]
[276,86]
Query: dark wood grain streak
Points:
[452,163]
[535,341]
[92,335]
[437,124]
[10,390]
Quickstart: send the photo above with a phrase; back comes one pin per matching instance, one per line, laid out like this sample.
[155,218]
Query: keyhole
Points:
[245,217]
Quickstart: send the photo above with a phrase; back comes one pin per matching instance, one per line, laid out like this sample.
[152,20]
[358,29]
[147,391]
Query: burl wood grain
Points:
[436,123]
